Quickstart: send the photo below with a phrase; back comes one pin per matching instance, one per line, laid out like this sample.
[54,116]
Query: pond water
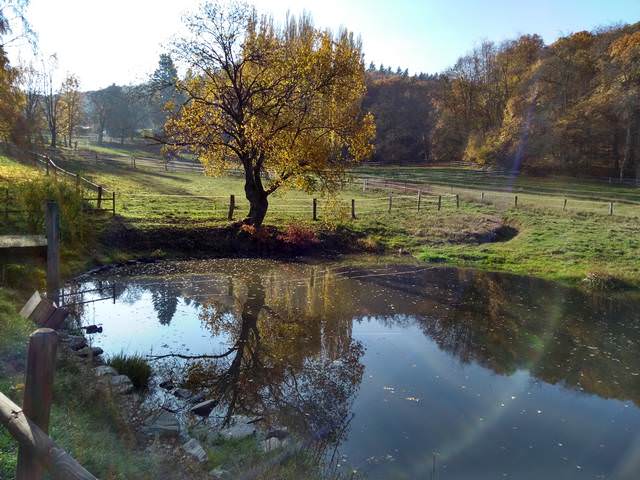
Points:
[405,371]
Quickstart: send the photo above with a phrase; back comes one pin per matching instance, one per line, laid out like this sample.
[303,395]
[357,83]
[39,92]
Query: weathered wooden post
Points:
[564,205]
[439,202]
[314,211]
[610,208]
[419,198]
[515,201]
[482,196]
[6,205]
[113,206]
[52,220]
[232,206]
[38,393]
[390,201]
[353,208]
[457,201]
[364,184]
[47,164]
[99,197]
[77,182]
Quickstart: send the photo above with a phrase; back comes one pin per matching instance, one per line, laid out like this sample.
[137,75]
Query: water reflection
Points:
[290,342]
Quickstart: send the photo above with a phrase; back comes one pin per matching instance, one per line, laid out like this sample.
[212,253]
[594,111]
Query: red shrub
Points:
[299,236]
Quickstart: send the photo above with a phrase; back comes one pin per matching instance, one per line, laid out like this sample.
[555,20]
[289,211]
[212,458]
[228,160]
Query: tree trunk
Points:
[54,137]
[628,145]
[257,197]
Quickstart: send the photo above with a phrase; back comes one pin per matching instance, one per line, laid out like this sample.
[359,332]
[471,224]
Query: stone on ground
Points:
[105,370]
[239,428]
[162,423]
[193,448]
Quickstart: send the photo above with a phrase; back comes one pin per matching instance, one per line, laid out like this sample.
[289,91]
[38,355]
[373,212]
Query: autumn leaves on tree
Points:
[283,103]
[569,107]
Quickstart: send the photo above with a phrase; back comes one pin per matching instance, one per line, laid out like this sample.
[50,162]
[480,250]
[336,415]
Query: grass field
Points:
[551,243]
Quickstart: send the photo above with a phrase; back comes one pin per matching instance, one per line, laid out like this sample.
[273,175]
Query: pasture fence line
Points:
[499,196]
[496,197]
[225,206]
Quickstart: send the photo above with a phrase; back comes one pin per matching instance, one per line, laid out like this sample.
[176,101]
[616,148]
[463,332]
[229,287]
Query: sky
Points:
[119,41]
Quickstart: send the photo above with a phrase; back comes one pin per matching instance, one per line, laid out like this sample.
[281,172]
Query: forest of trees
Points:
[570,107]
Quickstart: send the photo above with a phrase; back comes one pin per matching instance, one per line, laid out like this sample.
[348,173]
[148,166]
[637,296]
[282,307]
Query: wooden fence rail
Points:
[29,425]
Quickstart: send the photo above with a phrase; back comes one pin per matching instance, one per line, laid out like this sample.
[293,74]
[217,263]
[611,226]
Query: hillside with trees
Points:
[571,107]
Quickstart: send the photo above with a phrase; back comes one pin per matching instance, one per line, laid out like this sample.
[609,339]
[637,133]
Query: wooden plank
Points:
[22,241]
[42,312]
[57,318]
[30,436]
[31,305]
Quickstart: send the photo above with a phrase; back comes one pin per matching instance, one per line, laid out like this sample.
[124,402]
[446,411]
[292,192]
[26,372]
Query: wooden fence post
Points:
[515,201]
[457,201]
[99,197]
[419,198]
[6,205]
[232,206]
[38,393]
[52,220]
[114,203]
[439,202]
[482,196]
[610,208]
[77,182]
[564,205]
[315,209]
[47,164]
[364,184]
[390,201]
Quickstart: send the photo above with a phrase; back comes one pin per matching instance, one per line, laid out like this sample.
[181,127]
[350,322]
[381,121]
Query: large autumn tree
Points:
[281,102]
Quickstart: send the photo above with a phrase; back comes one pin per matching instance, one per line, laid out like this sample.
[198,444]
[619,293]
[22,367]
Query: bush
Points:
[31,199]
[299,236]
[25,277]
[135,367]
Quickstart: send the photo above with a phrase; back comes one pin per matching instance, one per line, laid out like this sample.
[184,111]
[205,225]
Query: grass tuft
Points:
[136,367]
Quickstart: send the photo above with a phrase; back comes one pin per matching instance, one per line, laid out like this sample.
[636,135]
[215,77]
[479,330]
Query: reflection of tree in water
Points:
[277,366]
[164,298]
[560,335]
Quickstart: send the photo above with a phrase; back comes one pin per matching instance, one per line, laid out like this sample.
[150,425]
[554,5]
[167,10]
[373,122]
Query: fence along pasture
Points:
[371,183]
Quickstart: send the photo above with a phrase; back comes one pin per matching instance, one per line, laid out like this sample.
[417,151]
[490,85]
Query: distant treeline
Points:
[571,107]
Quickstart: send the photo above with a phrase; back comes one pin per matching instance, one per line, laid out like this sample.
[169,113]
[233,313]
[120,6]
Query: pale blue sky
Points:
[119,40]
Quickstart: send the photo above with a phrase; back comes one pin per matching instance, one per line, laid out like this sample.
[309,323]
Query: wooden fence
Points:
[102,198]
[29,425]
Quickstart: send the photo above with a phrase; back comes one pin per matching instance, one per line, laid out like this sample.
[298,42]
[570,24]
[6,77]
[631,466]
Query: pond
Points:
[401,371]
